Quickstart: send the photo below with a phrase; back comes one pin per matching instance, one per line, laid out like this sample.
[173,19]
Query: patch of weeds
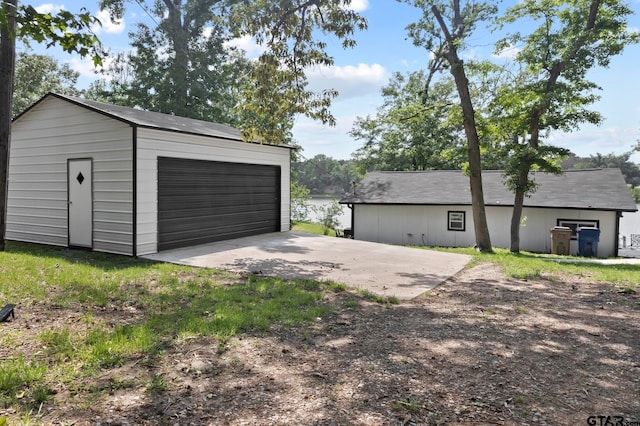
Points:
[40,394]
[111,385]
[307,336]
[519,399]
[222,347]
[627,290]
[236,362]
[100,351]
[89,318]
[490,311]
[409,405]
[307,284]
[351,303]
[157,385]
[116,384]
[17,376]
[59,344]
[521,310]
[9,339]
[335,287]
[527,274]
[383,300]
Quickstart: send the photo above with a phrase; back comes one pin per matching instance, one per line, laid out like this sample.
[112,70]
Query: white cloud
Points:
[316,138]
[350,81]
[359,5]
[246,43]
[108,26]
[592,140]
[49,8]
[359,88]
[507,53]
[85,66]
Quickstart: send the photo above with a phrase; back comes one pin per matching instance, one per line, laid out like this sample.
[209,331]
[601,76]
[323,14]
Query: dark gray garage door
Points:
[205,201]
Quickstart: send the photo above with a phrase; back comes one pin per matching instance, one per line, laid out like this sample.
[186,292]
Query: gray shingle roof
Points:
[594,189]
[154,120]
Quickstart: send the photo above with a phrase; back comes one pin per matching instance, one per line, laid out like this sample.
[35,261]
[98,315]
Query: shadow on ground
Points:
[481,349]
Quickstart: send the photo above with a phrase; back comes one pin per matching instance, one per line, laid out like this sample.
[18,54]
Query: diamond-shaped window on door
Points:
[80,178]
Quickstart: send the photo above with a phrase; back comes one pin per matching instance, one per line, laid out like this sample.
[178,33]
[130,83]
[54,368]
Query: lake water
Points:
[344,219]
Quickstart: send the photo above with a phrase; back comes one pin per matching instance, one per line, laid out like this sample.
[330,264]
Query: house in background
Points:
[120,180]
[433,208]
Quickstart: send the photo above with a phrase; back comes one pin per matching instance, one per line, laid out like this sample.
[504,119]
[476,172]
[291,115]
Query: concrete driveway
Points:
[382,269]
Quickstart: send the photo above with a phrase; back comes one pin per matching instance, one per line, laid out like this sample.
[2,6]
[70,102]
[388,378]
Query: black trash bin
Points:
[588,242]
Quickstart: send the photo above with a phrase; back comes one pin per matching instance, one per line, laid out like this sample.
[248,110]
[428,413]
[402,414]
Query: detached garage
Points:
[120,180]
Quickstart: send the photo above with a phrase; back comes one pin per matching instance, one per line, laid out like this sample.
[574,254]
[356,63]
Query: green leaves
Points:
[413,129]
[181,66]
[293,33]
[36,75]
[72,32]
[267,93]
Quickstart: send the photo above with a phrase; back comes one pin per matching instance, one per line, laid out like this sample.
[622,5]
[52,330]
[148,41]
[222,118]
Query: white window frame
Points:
[456,221]
[576,224]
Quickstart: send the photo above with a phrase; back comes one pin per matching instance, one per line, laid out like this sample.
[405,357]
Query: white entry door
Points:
[80,203]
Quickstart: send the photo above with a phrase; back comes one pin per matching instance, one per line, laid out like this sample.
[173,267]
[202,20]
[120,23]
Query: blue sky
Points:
[360,73]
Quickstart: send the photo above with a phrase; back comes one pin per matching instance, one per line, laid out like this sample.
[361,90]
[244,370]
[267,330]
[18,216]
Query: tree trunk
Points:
[178,34]
[483,240]
[516,216]
[7,69]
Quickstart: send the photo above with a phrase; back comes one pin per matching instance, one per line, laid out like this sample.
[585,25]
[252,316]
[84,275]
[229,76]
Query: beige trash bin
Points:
[560,240]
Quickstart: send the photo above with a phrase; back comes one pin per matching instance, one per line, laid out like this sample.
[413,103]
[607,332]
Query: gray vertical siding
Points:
[41,143]
[427,225]
[55,130]
[156,143]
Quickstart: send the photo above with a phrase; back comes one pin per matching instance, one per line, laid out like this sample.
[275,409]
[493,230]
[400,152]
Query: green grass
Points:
[171,303]
[161,305]
[313,228]
[527,265]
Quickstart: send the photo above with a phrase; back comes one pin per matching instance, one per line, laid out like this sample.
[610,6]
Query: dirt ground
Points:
[480,349]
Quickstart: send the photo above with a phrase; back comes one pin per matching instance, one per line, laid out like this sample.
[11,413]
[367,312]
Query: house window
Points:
[456,221]
[576,224]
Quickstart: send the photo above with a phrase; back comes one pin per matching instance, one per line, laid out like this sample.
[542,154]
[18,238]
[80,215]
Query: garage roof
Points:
[592,189]
[152,120]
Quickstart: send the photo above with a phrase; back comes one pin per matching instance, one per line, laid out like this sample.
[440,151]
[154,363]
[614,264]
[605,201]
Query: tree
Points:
[324,175]
[36,75]
[276,88]
[635,193]
[181,66]
[300,207]
[71,32]
[629,169]
[411,131]
[552,90]
[444,41]
[329,215]
[7,70]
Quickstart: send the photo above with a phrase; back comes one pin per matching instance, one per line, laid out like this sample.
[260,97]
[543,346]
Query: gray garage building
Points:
[121,180]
